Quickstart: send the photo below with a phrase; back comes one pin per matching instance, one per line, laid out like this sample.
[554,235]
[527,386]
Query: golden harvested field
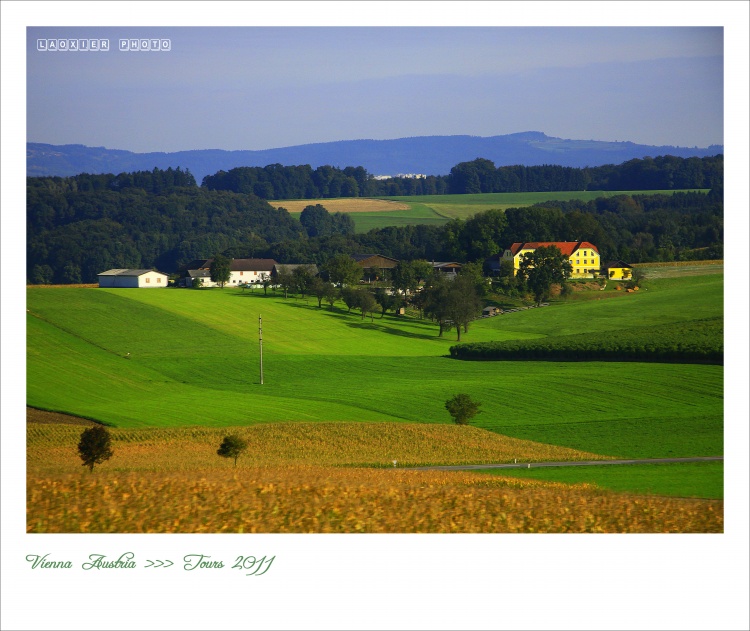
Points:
[309,478]
[308,499]
[342,205]
[52,448]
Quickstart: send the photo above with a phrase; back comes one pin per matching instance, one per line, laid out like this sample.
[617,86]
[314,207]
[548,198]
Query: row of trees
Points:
[476,176]
[450,302]
[158,181]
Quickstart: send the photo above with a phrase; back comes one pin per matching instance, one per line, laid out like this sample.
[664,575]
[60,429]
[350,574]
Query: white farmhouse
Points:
[243,271]
[132,278]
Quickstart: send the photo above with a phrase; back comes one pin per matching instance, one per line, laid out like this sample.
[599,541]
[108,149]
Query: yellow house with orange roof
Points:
[583,256]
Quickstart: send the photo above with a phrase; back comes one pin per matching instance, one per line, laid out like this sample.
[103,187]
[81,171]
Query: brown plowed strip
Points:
[341,205]
[42,416]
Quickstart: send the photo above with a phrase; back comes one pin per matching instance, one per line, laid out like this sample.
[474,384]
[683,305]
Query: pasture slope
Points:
[176,359]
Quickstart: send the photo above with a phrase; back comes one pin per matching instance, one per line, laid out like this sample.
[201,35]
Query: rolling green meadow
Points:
[182,357]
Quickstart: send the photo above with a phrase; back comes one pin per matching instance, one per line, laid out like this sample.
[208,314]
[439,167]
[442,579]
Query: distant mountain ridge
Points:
[429,155]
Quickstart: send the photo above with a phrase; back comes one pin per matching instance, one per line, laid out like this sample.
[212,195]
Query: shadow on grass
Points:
[354,320]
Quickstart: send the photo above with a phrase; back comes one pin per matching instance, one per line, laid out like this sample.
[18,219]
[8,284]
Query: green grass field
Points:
[685,479]
[418,213]
[193,360]
[439,209]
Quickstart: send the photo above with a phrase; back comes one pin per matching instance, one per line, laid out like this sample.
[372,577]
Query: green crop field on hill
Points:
[439,209]
[369,213]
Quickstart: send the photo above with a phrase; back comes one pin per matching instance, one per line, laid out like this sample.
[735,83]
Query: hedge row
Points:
[698,341]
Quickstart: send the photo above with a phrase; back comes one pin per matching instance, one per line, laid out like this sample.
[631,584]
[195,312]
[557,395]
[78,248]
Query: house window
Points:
[158,280]
[148,280]
[242,273]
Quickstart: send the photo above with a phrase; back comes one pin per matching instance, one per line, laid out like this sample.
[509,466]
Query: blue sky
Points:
[265,87]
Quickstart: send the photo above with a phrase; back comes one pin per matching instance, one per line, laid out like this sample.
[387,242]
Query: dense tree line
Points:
[74,234]
[157,181]
[477,176]
[661,173]
[292,182]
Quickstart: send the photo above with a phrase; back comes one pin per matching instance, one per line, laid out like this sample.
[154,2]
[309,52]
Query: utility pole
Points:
[260,338]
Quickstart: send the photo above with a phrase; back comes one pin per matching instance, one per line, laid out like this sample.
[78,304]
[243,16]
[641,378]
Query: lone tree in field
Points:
[462,408]
[232,447]
[94,446]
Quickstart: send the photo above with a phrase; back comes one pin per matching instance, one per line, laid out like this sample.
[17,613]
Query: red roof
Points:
[566,247]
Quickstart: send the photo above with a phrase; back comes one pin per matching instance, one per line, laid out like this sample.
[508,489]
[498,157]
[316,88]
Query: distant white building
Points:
[408,176]
[241,272]
[132,278]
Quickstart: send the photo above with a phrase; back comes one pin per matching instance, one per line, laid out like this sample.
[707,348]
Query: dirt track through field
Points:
[34,415]
[582,463]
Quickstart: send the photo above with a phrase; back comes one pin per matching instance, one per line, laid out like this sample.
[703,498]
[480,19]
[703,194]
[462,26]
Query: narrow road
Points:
[580,463]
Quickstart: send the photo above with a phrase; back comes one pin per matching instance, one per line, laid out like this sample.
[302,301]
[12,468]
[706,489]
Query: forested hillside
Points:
[82,225]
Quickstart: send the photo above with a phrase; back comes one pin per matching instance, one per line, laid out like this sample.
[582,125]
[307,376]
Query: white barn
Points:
[132,278]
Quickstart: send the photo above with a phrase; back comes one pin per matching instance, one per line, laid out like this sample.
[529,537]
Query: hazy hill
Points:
[431,155]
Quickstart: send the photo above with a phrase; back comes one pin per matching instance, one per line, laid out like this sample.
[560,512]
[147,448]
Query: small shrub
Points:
[232,447]
[462,408]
